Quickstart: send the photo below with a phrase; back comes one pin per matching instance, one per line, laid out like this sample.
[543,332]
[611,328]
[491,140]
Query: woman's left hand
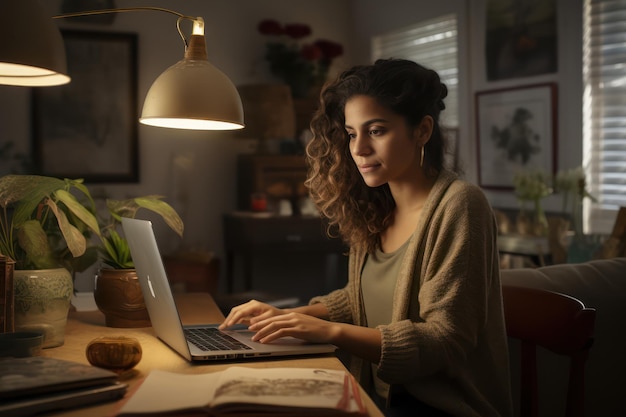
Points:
[301,326]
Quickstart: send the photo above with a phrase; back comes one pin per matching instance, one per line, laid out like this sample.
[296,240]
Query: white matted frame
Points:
[516,130]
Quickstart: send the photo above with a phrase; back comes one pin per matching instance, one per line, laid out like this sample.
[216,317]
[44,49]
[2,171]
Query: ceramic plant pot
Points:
[118,296]
[42,302]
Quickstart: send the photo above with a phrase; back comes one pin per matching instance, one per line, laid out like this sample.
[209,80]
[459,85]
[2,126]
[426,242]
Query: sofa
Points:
[600,284]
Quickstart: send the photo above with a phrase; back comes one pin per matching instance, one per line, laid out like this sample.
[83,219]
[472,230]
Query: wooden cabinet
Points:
[276,176]
[250,235]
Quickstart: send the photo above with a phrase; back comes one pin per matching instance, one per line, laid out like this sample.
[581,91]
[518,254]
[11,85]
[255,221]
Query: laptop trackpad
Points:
[245,336]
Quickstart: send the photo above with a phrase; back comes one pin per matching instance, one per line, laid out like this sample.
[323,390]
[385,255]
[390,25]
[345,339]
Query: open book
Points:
[239,390]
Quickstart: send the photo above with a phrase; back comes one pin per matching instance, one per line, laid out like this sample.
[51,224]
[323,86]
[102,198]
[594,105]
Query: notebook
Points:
[166,320]
[36,384]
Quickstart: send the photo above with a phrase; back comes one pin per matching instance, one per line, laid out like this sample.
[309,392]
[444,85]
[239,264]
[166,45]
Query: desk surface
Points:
[194,308]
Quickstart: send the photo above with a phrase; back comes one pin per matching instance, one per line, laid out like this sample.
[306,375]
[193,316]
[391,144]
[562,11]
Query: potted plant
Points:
[117,292]
[533,187]
[44,227]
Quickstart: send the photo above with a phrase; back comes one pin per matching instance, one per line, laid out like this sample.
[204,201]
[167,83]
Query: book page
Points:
[164,391]
[284,387]
[240,390]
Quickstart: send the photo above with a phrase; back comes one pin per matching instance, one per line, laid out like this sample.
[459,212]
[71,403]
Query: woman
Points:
[422,311]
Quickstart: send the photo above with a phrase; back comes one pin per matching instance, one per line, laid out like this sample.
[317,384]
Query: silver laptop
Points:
[188,341]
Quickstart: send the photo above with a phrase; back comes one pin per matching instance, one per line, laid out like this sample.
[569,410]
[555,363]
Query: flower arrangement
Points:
[572,185]
[301,65]
[533,186]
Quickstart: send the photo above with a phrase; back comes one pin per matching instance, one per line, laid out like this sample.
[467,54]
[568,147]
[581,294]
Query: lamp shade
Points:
[32,52]
[193,94]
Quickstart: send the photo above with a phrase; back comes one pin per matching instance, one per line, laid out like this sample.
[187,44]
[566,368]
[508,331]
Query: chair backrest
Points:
[554,321]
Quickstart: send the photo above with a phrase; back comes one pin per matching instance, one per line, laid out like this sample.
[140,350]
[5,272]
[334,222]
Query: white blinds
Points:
[604,110]
[433,44]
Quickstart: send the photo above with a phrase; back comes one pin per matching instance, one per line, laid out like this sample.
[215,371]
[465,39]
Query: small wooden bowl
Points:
[116,353]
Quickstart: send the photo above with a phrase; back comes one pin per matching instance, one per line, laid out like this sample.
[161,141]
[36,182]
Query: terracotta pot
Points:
[42,302]
[118,295]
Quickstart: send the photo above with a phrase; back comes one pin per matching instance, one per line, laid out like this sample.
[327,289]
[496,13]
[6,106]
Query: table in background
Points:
[536,248]
[194,308]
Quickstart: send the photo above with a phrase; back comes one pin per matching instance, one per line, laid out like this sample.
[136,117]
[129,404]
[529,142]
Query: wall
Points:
[236,48]
[175,162]
[371,19]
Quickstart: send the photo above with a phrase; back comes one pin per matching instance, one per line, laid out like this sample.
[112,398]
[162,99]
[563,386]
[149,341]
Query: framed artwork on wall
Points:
[516,130]
[88,128]
[520,38]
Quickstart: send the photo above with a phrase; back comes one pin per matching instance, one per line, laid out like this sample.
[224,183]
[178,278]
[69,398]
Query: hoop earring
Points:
[422,158]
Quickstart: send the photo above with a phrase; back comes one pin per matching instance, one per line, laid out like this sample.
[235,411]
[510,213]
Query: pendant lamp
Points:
[31,47]
[191,94]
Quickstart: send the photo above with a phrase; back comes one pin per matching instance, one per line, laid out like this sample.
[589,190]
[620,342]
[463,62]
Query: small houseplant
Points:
[115,250]
[49,225]
[532,186]
[45,224]
[117,292]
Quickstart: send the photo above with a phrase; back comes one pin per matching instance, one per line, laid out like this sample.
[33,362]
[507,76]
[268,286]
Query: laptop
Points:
[184,339]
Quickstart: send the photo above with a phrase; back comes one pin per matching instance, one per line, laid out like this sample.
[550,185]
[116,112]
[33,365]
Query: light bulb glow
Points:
[198,26]
[26,75]
[190,124]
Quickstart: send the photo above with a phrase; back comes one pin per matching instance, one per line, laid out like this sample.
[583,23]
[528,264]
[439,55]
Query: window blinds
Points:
[433,44]
[604,110]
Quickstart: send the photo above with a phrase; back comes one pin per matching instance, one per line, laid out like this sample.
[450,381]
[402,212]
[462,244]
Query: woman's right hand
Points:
[250,313]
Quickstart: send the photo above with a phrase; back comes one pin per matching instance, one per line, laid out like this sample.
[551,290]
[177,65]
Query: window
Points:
[432,43]
[604,110]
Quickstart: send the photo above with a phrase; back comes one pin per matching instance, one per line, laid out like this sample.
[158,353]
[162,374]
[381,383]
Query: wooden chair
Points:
[554,321]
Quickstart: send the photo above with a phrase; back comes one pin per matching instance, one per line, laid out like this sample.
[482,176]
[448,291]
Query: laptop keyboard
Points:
[211,339]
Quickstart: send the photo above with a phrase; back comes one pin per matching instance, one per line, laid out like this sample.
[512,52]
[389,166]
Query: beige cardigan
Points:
[446,344]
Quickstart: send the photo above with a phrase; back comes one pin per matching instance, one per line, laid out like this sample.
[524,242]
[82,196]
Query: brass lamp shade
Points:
[193,94]
[31,47]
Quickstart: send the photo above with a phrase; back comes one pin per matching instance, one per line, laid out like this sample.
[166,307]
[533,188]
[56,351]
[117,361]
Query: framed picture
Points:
[516,130]
[88,128]
[521,38]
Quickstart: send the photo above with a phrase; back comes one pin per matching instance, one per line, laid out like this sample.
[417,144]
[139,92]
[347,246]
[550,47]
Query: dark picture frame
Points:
[521,39]
[88,128]
[516,130]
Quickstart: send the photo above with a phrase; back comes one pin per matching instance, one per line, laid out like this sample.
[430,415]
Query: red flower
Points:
[330,49]
[300,65]
[297,30]
[270,27]
[311,52]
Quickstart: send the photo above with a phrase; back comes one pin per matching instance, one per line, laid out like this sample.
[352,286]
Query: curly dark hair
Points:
[360,213]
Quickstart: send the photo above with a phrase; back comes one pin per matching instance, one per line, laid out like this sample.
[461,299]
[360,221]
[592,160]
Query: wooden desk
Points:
[194,308]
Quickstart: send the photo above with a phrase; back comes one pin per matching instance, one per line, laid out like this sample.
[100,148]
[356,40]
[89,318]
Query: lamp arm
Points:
[133,9]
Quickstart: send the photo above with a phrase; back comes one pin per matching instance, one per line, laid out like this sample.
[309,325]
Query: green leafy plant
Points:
[115,251]
[572,186]
[46,222]
[533,186]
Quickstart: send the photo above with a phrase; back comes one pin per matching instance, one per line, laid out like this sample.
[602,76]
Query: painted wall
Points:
[196,170]
[371,19]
